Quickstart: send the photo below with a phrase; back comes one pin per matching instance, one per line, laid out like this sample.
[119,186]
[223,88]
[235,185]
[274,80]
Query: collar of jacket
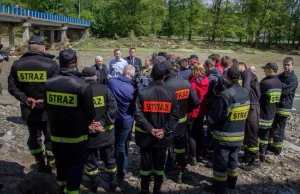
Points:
[89,79]
[271,76]
[197,78]
[172,74]
[213,71]
[33,53]
[98,66]
[289,74]
[125,79]
[69,72]
[158,82]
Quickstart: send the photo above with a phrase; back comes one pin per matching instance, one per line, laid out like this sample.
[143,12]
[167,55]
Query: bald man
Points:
[101,70]
[251,68]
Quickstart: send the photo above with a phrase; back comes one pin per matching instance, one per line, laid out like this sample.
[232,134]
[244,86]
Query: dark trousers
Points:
[264,136]
[278,129]
[37,127]
[69,161]
[106,155]
[179,149]
[152,160]
[197,138]
[225,167]
[251,129]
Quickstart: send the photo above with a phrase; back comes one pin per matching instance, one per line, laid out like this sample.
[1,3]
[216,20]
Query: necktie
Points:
[132,60]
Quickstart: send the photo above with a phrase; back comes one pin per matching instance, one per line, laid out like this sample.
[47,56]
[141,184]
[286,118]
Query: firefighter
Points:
[187,101]
[228,117]
[71,110]
[251,84]
[26,83]
[270,89]
[156,118]
[101,142]
[289,82]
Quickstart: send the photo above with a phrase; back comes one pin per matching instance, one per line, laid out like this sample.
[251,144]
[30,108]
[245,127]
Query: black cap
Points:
[37,40]
[167,64]
[158,69]
[88,72]
[67,56]
[270,65]
[194,57]
[233,73]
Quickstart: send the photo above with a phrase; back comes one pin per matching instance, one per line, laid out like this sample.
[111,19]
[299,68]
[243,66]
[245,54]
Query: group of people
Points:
[187,109]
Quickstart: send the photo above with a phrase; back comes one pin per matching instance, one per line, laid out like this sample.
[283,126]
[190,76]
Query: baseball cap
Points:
[167,64]
[158,69]
[67,56]
[233,73]
[270,65]
[194,57]
[37,40]
[88,72]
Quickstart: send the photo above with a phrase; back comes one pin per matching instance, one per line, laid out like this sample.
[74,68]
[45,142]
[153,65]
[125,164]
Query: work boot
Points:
[262,158]
[262,152]
[246,157]
[179,175]
[94,183]
[157,188]
[254,163]
[193,161]
[113,183]
[231,182]
[1,186]
[145,182]
[40,163]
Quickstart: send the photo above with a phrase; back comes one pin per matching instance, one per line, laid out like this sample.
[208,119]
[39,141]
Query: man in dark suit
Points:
[132,60]
[101,71]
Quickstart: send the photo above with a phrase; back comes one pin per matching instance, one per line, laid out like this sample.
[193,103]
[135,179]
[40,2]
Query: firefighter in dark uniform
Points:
[251,84]
[270,89]
[228,117]
[101,142]
[187,101]
[156,118]
[289,82]
[26,83]
[71,111]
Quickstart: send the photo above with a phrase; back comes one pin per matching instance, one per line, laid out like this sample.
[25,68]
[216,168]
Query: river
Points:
[86,58]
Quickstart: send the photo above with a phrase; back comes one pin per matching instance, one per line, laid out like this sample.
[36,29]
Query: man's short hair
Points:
[209,62]
[226,61]
[289,59]
[215,57]
[132,48]
[235,63]
[159,59]
[98,57]
[243,63]
[129,70]
[117,50]
[183,63]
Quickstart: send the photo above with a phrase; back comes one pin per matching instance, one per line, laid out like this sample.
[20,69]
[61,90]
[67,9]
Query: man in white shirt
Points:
[117,64]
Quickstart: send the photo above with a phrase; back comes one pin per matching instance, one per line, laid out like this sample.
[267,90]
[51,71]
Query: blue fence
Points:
[41,15]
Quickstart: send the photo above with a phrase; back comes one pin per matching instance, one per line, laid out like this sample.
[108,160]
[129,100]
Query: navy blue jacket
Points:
[123,91]
[185,73]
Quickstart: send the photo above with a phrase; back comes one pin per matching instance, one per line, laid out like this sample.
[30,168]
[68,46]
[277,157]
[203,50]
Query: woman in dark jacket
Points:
[199,83]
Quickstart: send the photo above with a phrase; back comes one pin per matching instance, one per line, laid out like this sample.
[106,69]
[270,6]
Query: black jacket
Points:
[221,84]
[70,107]
[29,74]
[186,97]
[228,115]
[251,84]
[156,107]
[213,77]
[137,63]
[101,73]
[289,86]
[270,89]
[106,111]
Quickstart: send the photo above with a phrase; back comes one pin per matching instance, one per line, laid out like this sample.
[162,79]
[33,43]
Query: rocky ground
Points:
[280,174]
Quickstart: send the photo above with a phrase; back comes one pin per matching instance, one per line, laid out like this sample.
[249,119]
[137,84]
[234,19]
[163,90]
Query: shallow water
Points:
[86,58]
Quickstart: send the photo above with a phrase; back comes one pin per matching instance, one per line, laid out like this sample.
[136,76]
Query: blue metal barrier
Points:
[41,15]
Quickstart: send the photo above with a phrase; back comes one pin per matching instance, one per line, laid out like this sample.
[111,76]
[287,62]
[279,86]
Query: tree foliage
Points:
[253,21]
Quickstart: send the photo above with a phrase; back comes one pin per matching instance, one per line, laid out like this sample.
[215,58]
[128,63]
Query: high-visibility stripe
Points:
[179,151]
[220,178]
[223,138]
[93,172]
[145,173]
[159,172]
[140,130]
[263,142]
[232,174]
[52,161]
[62,183]
[227,134]
[111,170]
[108,127]
[183,119]
[211,121]
[252,149]
[71,192]
[277,144]
[265,123]
[49,153]
[284,112]
[219,173]
[271,140]
[69,140]
[36,151]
